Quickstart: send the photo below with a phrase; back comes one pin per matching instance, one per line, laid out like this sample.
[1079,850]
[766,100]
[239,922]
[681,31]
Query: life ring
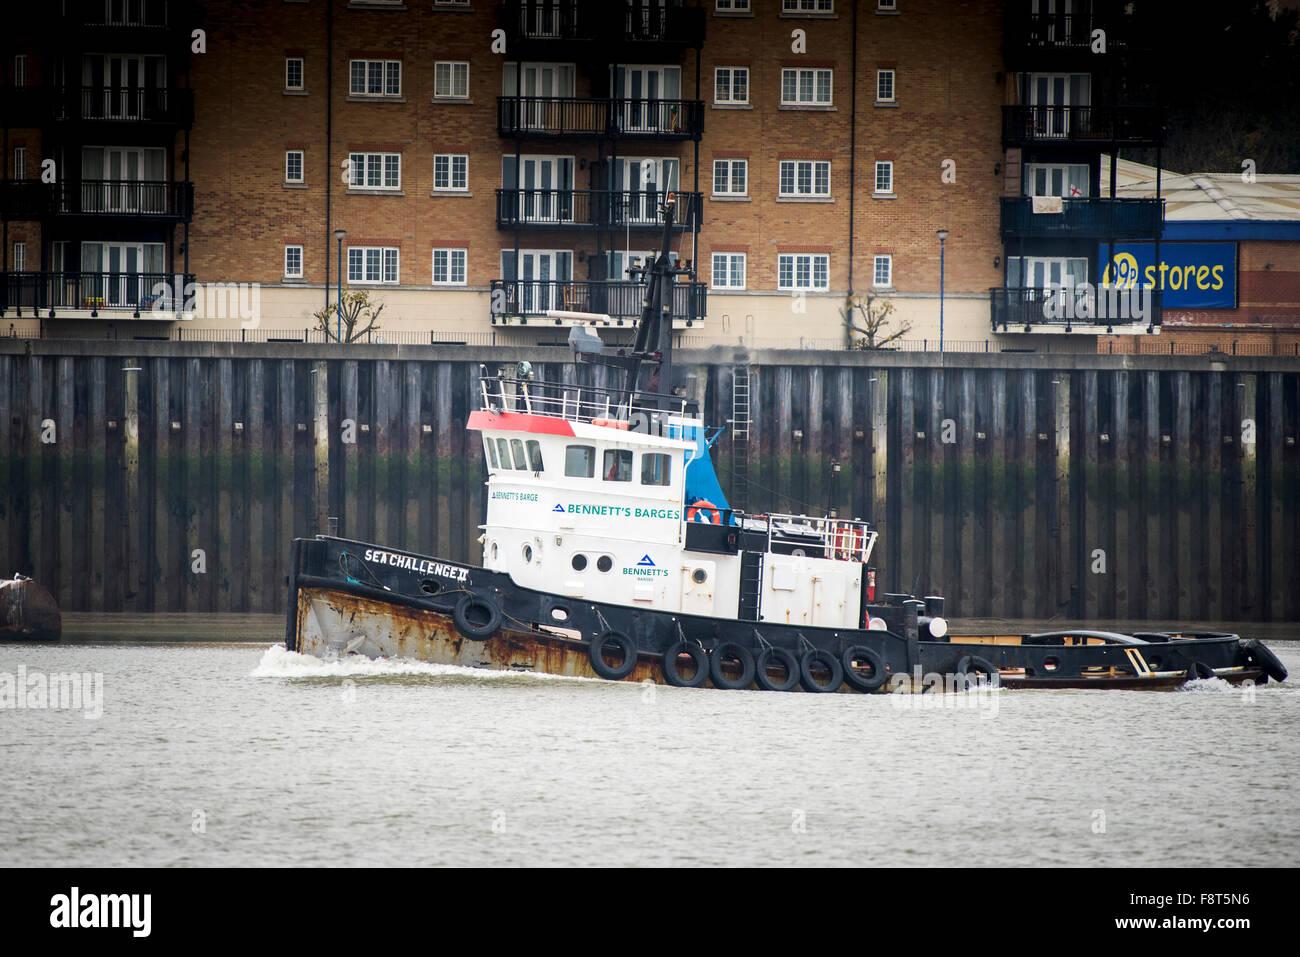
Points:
[786,660]
[1258,653]
[809,682]
[702,508]
[857,680]
[596,654]
[731,650]
[983,666]
[696,653]
[468,628]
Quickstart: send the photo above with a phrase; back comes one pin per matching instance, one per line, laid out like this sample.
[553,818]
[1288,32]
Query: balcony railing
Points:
[619,299]
[1065,33]
[115,292]
[1134,125]
[587,116]
[1024,309]
[146,199]
[601,20]
[602,209]
[170,105]
[1091,216]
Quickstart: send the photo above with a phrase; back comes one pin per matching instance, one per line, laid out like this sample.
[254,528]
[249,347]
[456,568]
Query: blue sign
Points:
[1190,275]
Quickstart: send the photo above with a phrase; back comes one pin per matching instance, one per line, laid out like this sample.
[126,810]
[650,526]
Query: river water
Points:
[240,753]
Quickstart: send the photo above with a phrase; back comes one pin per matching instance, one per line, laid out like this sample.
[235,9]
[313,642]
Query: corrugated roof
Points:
[1201,197]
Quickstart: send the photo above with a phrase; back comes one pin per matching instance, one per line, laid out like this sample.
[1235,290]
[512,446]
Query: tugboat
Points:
[610,551]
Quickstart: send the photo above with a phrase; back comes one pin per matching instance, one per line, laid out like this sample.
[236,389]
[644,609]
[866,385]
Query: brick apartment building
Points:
[491,162]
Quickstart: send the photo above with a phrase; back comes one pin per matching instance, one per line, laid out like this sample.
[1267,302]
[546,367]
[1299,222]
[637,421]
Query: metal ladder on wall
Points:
[739,422]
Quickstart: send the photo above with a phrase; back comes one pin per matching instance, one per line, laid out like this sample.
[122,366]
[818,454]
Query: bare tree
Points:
[866,323]
[359,317]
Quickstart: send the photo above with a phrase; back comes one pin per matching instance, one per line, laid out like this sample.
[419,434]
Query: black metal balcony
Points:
[1025,309]
[588,208]
[1094,216]
[556,116]
[535,25]
[150,295]
[141,199]
[171,106]
[137,25]
[1082,125]
[1061,39]
[619,299]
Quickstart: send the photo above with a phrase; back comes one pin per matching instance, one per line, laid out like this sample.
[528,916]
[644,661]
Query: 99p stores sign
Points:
[1189,275]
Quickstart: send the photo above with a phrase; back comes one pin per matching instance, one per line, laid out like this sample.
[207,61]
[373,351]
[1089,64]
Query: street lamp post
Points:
[338,306]
[942,234]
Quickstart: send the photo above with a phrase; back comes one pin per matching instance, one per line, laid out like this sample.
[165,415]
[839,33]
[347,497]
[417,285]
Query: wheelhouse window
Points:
[535,455]
[656,468]
[580,461]
[491,448]
[517,453]
[617,465]
[504,449]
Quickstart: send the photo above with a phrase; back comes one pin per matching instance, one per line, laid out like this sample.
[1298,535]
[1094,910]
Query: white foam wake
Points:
[279,662]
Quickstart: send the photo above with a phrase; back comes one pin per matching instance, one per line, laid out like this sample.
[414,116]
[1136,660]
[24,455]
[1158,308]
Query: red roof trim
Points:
[518,422]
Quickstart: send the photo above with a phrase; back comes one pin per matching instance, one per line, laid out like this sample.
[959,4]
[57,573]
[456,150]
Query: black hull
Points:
[400,603]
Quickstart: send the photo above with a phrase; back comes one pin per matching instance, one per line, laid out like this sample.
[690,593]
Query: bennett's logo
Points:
[646,562]
[102,910]
[558,508]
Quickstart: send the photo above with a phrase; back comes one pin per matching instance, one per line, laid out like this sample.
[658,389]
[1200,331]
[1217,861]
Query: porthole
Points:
[494,551]
[560,614]
[579,562]
[430,587]
[797,552]
[604,563]
[699,576]
[528,553]
[1051,664]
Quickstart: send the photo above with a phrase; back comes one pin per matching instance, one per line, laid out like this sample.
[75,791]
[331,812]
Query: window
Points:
[505,453]
[580,461]
[292,262]
[805,178]
[376,170]
[887,5]
[882,272]
[803,271]
[1067,180]
[730,177]
[20,69]
[884,177]
[451,172]
[535,455]
[20,257]
[375,77]
[20,162]
[449,267]
[372,264]
[618,465]
[731,84]
[451,79]
[885,86]
[293,166]
[293,73]
[806,87]
[732,6]
[517,453]
[491,448]
[807,6]
[728,271]
[656,468]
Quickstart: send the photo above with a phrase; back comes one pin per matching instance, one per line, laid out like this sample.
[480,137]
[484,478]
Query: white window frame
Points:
[732,259]
[730,99]
[381,258]
[731,6]
[20,162]
[20,257]
[808,7]
[388,69]
[810,263]
[362,171]
[888,262]
[450,160]
[291,274]
[451,256]
[813,167]
[887,6]
[20,69]
[451,65]
[875,180]
[302,73]
[892,74]
[302,166]
[815,100]
[731,177]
